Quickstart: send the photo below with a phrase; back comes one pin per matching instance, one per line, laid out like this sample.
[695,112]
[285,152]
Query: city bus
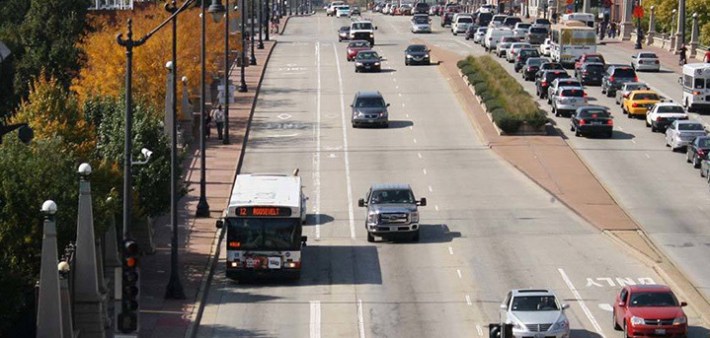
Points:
[586,18]
[569,40]
[263,223]
[696,86]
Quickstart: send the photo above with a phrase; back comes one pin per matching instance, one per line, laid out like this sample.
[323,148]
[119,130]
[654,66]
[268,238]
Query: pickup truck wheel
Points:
[696,162]
[370,237]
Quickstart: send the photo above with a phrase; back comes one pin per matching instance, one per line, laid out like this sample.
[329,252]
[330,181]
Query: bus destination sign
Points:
[263,212]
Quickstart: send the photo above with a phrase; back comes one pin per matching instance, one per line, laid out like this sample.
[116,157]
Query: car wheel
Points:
[577,133]
[653,128]
[610,134]
[613,320]
[609,93]
[629,115]
[696,162]
[603,90]
[626,332]
[647,124]
[556,112]
[406,63]
[687,157]
[370,237]
[467,38]
[571,127]
[455,34]
[702,173]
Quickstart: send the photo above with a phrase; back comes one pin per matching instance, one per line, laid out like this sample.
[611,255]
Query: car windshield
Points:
[420,19]
[417,48]
[367,55]
[529,52]
[482,30]
[536,30]
[594,113]
[645,96]
[370,102]
[524,25]
[551,65]
[690,126]
[648,56]
[264,233]
[344,29]
[359,44]
[636,86]
[534,303]
[535,61]
[542,21]
[465,19]
[392,196]
[671,109]
[703,142]
[362,25]
[551,76]
[652,299]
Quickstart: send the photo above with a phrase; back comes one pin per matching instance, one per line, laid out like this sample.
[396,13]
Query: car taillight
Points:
[585,72]
[520,58]
[695,92]
[656,61]
[634,104]
[636,79]
[582,122]
[610,122]
[544,82]
[611,79]
[701,152]
[659,119]
[626,95]
[234,244]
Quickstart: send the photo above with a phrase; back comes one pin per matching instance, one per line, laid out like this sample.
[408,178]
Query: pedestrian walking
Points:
[208,121]
[683,57]
[609,29]
[219,121]
[614,28]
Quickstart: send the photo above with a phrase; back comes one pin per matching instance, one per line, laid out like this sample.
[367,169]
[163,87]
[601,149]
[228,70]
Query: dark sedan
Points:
[592,120]
[343,33]
[531,66]
[545,78]
[367,60]
[416,54]
[471,31]
[698,150]
[590,73]
[523,56]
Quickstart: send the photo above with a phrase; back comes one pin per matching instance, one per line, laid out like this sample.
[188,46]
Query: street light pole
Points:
[242,53]
[252,58]
[637,13]
[260,11]
[227,67]
[174,288]
[267,13]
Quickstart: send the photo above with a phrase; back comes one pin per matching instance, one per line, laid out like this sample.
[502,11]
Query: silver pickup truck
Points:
[392,212]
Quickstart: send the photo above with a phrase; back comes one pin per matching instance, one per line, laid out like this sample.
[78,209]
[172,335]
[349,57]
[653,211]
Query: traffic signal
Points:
[128,318]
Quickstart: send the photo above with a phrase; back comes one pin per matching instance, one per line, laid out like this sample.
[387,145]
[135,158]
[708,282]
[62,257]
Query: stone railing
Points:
[662,40]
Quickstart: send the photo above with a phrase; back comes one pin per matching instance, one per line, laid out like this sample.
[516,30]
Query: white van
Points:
[493,36]
[696,86]
[330,11]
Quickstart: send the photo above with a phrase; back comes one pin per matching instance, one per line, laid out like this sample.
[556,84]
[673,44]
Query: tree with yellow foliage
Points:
[104,71]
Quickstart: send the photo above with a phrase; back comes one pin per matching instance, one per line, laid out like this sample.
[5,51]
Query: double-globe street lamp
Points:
[252,58]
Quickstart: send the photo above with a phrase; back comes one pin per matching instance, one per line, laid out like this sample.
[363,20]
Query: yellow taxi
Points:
[637,102]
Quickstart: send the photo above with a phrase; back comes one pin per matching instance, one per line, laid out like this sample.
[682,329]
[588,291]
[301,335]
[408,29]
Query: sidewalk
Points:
[668,59]
[161,318]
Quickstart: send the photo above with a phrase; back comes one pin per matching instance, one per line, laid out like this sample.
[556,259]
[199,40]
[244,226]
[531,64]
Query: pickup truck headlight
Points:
[426,55]
[372,35]
[414,217]
[372,218]
[409,56]
[637,320]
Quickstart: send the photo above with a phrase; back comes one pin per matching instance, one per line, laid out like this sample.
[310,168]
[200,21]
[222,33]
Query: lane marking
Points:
[436,207]
[360,319]
[479,329]
[458,272]
[430,189]
[415,140]
[584,307]
[451,251]
[407,115]
[315,319]
[396,87]
[468,300]
[399,94]
[402,104]
[647,156]
[411,127]
[346,156]
[316,159]
[633,141]
[419,155]
[424,171]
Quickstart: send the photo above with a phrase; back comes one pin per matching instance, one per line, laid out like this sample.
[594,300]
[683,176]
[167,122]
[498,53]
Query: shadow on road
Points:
[580,333]
[319,219]
[428,233]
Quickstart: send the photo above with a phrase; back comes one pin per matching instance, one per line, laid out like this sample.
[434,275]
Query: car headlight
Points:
[409,56]
[426,55]
[377,63]
[358,63]
[372,35]
[561,324]
[414,217]
[372,218]
[637,320]
[680,320]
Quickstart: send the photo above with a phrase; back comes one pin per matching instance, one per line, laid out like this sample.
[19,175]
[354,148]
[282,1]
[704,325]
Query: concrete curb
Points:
[219,236]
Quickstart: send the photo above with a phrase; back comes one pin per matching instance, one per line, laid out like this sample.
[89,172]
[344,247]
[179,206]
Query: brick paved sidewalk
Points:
[163,318]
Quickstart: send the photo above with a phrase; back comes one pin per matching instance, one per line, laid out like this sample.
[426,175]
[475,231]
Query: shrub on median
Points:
[507,101]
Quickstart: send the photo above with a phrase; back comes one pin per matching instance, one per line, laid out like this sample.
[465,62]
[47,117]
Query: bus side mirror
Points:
[219,224]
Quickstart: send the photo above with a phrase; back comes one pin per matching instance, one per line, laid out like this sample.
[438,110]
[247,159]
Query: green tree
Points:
[12,13]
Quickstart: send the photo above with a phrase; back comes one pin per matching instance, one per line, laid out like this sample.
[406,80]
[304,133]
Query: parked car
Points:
[646,61]
[588,58]
[536,34]
[416,54]
[590,73]
[406,9]
[592,120]
[567,99]
[649,310]
[627,88]
[504,44]
[545,47]
[480,33]
[343,33]
[664,113]
[420,23]
[523,55]
[697,150]
[545,79]
[532,65]
[355,46]
[368,60]
[615,76]
[369,107]
[561,82]
[639,101]
[535,313]
[682,132]
[515,47]
[392,211]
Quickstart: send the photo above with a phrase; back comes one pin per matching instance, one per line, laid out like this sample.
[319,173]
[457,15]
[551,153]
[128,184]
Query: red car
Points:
[356,46]
[596,58]
[649,310]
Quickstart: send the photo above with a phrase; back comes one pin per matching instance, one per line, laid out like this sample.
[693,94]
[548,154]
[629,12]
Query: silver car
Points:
[567,100]
[646,61]
[369,107]
[420,24]
[561,82]
[627,88]
[682,132]
[504,44]
[480,33]
[535,313]
[515,49]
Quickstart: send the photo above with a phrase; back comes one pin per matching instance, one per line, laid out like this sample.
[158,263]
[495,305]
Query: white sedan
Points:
[545,47]
[645,61]
[681,132]
[663,114]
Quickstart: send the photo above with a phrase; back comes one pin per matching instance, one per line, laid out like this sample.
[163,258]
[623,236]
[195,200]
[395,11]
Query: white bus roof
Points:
[266,190]
[696,69]
[572,24]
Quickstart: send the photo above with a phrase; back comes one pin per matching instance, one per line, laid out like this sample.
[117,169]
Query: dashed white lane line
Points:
[468,300]
[430,190]
[346,156]
[399,94]
[315,319]
[479,329]
[419,155]
[451,251]
[411,127]
[316,157]
[621,129]
[424,171]
[396,87]
[360,319]
[633,141]
[415,140]
[402,104]
[458,272]
[406,115]
[436,207]
[581,303]
[647,156]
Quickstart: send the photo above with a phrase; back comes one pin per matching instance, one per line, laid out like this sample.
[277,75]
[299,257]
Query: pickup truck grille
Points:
[394,218]
[361,36]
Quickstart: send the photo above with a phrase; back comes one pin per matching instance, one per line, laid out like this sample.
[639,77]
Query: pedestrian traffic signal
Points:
[128,318]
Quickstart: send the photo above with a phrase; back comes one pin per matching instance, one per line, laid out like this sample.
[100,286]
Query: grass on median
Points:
[509,104]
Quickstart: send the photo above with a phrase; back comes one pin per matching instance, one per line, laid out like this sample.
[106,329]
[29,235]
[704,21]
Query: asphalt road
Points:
[487,228]
[662,192]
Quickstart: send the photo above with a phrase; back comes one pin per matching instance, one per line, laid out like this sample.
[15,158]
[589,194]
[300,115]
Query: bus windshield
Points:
[264,233]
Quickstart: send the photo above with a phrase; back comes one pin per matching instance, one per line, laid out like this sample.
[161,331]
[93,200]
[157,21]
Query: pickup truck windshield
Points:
[392,196]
